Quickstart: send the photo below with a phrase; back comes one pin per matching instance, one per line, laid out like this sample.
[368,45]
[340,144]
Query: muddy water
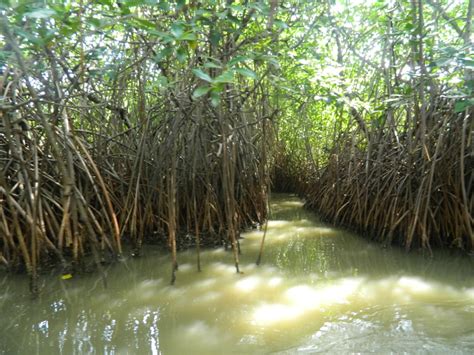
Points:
[319,289]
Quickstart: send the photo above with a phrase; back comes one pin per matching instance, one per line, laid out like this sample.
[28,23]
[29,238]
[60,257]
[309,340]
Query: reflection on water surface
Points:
[319,289]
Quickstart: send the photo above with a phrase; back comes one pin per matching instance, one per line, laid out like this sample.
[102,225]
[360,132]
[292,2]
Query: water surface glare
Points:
[318,289]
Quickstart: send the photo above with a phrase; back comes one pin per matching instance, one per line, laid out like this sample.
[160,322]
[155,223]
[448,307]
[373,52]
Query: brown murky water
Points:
[319,289]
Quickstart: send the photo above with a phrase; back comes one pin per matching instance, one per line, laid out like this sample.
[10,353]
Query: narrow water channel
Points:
[318,289]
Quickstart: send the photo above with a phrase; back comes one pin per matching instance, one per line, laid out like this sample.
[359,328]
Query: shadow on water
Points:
[319,289]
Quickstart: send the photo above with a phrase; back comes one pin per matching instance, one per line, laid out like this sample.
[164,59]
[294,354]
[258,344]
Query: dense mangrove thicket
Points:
[163,121]
[385,125]
[155,127]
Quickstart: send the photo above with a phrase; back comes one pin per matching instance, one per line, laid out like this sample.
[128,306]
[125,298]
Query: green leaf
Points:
[257,6]
[281,24]
[105,2]
[460,106]
[223,14]
[443,62]
[4,4]
[125,10]
[162,82]
[163,35]
[215,98]
[201,91]
[237,8]
[181,54]
[93,21]
[215,38]
[270,59]
[40,13]
[218,87]
[238,59]
[212,65]
[164,5]
[144,24]
[187,36]
[466,62]
[233,19]
[132,3]
[226,77]
[69,27]
[202,13]
[30,37]
[166,52]
[246,72]
[202,75]
[192,44]
[177,30]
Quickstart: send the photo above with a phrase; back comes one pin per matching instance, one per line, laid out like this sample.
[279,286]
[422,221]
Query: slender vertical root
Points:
[259,259]
[174,268]
[235,251]
[198,248]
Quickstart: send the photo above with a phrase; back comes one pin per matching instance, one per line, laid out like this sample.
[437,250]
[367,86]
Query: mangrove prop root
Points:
[397,187]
